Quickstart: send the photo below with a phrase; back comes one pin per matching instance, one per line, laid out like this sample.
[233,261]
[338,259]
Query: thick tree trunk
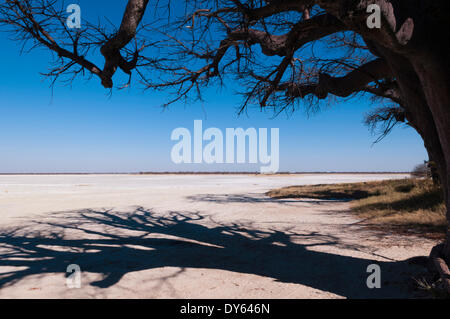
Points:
[425,89]
[434,75]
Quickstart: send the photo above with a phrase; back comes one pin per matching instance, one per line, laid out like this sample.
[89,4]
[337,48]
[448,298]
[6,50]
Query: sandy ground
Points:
[186,236]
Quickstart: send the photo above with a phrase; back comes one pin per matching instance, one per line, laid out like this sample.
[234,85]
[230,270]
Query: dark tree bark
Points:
[419,62]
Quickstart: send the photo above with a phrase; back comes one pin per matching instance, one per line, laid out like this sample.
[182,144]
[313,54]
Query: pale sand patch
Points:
[188,236]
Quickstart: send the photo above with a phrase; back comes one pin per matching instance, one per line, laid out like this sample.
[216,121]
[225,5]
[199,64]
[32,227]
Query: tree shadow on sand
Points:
[258,198]
[116,243]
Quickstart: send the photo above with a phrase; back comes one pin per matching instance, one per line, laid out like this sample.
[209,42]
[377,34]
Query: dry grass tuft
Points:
[405,205]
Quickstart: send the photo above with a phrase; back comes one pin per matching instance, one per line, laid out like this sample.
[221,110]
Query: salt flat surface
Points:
[192,236]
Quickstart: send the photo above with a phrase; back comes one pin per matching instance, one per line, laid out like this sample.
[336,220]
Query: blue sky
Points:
[83,129]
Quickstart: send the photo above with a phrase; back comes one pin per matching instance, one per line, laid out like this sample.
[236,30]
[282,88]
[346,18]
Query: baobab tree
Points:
[284,53]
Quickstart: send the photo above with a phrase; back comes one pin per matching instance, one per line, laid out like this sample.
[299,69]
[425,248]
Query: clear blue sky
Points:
[83,129]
